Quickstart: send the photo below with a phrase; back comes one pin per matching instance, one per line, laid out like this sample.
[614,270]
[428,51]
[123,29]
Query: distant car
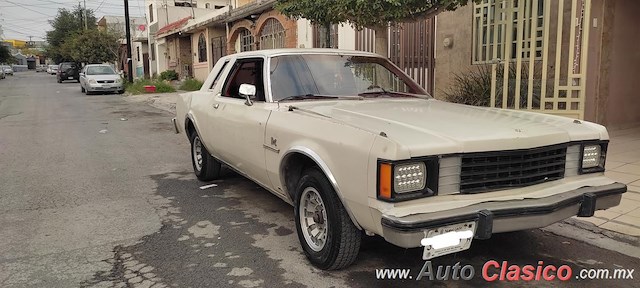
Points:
[7,70]
[68,71]
[52,69]
[41,68]
[100,78]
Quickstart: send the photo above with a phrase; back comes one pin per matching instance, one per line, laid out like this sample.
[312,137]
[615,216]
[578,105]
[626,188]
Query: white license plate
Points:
[70,77]
[448,239]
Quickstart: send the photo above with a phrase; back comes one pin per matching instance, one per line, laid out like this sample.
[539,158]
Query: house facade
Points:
[573,58]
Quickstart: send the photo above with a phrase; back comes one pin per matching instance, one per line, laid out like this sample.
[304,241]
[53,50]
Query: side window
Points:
[245,71]
[215,80]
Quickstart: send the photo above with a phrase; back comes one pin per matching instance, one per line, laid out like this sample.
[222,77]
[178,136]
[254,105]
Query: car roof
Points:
[297,51]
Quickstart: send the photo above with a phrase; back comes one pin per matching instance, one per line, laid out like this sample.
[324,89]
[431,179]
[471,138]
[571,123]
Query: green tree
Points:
[5,54]
[92,46]
[66,25]
[374,14]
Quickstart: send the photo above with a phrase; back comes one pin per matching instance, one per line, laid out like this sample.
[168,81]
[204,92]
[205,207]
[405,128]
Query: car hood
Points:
[437,127]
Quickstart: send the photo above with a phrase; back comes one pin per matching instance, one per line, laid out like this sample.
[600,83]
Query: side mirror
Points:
[248,91]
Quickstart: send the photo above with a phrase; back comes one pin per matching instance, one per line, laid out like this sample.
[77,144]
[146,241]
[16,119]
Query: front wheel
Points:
[205,166]
[328,237]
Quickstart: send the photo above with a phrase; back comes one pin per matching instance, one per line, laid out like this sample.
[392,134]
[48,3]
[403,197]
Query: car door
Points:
[239,129]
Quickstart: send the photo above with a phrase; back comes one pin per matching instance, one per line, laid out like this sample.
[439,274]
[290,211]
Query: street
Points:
[96,191]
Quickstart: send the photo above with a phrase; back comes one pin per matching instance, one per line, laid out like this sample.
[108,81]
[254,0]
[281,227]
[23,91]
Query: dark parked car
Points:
[68,71]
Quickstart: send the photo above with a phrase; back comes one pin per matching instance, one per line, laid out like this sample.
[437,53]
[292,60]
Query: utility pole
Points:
[128,35]
[85,14]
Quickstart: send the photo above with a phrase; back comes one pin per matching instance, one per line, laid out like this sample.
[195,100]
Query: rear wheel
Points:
[328,237]
[205,166]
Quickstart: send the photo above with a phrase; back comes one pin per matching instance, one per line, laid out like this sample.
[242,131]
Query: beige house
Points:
[576,58]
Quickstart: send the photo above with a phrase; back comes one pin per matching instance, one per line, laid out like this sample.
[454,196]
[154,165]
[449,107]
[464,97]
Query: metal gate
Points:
[411,47]
[537,51]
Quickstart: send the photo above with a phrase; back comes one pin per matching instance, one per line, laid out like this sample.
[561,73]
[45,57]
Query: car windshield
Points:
[100,70]
[337,75]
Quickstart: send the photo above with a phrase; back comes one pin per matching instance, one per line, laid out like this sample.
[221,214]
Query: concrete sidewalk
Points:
[623,165]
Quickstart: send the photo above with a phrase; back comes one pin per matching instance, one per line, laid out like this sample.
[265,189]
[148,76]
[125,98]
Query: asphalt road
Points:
[98,191]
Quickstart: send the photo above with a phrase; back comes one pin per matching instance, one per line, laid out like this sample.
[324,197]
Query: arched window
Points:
[202,48]
[245,40]
[272,35]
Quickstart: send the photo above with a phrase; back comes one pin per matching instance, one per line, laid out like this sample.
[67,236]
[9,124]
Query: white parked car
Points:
[52,69]
[356,146]
[7,69]
[100,78]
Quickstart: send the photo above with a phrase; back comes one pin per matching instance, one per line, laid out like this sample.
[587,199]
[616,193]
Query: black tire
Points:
[210,167]
[59,81]
[120,91]
[343,238]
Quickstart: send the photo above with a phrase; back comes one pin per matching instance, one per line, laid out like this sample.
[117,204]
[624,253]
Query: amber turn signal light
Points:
[384,181]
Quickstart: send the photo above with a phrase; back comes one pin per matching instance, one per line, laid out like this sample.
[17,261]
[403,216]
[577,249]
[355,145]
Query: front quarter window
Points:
[337,75]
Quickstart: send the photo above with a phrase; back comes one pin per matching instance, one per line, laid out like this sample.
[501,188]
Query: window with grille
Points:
[321,33]
[246,40]
[202,48]
[502,24]
[272,35]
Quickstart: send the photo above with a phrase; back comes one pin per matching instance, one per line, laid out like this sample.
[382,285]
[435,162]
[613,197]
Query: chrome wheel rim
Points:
[313,219]
[197,153]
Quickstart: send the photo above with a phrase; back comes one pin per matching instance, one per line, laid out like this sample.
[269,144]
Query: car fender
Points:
[325,169]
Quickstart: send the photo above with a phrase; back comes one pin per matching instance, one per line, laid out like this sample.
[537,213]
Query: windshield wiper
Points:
[314,96]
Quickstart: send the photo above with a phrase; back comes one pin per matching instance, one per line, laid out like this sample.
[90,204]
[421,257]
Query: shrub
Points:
[191,85]
[169,75]
[474,87]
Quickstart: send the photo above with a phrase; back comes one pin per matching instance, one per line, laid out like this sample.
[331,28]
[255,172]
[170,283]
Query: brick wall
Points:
[289,25]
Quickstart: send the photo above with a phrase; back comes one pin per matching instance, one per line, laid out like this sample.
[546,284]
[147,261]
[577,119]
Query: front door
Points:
[238,139]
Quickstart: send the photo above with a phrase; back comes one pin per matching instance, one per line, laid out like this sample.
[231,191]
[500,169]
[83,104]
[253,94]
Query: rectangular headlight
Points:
[409,177]
[405,180]
[591,156]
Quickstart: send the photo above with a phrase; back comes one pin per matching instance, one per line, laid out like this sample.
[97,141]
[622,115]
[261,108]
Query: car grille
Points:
[486,171]
[106,81]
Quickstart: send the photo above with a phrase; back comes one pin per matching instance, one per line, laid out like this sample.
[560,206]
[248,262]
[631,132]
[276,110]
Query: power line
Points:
[28,8]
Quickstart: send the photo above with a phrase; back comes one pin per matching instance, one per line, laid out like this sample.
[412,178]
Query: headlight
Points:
[407,180]
[119,80]
[409,177]
[593,157]
[92,81]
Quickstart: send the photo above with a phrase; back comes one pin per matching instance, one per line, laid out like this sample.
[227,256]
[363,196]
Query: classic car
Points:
[359,148]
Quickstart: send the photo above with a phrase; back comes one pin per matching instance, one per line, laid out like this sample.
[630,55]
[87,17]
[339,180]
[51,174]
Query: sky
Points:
[20,19]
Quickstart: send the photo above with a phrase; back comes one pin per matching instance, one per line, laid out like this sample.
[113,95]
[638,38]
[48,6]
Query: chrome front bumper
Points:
[504,216]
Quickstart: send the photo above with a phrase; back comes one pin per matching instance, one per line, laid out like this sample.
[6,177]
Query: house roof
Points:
[215,17]
[172,26]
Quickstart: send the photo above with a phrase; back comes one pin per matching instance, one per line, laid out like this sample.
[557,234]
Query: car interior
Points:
[247,71]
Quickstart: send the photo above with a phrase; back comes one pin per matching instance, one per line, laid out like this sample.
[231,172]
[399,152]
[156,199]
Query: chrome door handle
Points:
[215,106]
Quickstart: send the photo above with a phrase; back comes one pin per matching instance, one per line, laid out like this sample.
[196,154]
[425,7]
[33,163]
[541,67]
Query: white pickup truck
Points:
[357,147]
